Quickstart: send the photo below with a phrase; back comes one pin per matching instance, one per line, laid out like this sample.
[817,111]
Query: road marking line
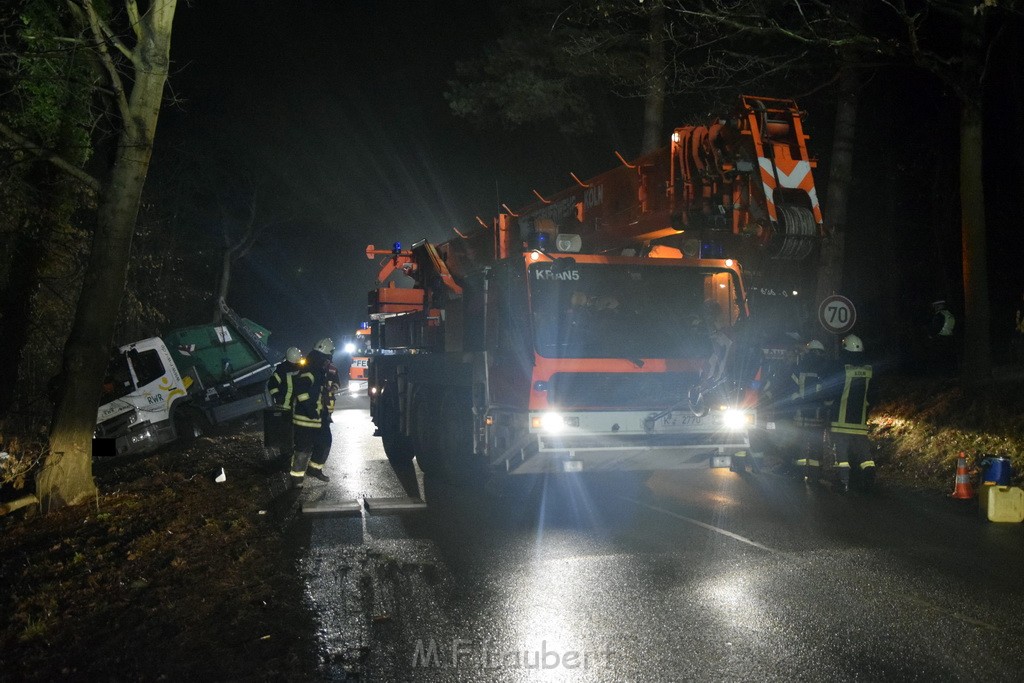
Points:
[709,527]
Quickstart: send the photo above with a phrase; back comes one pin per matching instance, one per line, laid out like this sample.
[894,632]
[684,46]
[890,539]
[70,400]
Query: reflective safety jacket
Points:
[808,400]
[851,405]
[809,394]
[281,384]
[309,398]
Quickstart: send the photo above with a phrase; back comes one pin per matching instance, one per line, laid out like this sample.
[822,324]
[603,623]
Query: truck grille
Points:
[611,390]
[115,426]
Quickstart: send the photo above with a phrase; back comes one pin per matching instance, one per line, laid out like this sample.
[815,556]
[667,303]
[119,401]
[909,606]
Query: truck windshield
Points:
[117,381]
[598,310]
[362,344]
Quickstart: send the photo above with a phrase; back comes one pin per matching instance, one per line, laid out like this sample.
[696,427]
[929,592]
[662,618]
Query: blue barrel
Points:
[996,470]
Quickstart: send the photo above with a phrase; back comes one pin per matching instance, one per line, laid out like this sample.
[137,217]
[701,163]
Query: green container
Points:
[218,353]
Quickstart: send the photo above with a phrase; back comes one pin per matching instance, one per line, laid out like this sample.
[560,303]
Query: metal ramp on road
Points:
[373,506]
[325,507]
[388,505]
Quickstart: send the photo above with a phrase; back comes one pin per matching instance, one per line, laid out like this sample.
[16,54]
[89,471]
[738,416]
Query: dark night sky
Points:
[339,107]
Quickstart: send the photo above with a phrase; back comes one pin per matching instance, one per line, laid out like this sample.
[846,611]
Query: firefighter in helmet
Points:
[851,392]
[311,416]
[281,387]
[808,401]
[331,387]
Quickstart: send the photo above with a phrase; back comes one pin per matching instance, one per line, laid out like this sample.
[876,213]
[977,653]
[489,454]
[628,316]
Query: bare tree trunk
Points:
[833,247]
[654,103]
[234,249]
[225,283]
[976,365]
[66,475]
[976,361]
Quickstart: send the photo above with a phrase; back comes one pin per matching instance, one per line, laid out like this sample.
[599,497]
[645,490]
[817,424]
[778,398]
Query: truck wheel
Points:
[456,442]
[425,427]
[188,424]
[397,447]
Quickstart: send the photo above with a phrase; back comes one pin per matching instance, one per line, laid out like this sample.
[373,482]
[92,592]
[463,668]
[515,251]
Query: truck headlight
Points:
[553,422]
[735,420]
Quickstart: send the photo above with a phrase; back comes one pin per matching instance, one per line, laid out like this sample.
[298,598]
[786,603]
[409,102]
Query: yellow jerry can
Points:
[1002,503]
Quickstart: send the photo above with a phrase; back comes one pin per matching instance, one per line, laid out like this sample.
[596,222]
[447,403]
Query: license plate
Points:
[769,425]
[677,420]
[572,466]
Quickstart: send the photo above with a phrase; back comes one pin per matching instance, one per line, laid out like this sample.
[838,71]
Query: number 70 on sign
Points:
[837,314]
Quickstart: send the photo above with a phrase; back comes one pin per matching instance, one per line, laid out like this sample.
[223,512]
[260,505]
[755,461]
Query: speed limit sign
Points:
[837,314]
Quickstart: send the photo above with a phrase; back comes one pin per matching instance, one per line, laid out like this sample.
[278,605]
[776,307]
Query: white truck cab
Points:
[139,393]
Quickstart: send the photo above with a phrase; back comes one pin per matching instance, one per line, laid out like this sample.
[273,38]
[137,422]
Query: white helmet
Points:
[293,354]
[852,343]
[325,345]
[815,345]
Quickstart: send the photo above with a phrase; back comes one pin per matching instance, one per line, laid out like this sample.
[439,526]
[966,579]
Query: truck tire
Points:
[456,443]
[425,428]
[397,447]
[188,424]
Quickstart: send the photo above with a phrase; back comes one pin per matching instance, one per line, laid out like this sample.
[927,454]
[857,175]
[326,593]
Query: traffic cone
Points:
[963,490]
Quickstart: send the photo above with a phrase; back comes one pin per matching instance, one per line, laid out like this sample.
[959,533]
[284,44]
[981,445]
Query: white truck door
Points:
[156,378]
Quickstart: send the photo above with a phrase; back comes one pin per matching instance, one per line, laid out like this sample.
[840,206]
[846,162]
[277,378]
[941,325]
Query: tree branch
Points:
[58,161]
[133,18]
[108,64]
[115,41]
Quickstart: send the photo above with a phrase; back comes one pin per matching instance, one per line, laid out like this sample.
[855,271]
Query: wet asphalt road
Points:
[668,577]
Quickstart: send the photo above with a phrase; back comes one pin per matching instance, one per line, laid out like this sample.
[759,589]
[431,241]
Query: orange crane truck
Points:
[590,330]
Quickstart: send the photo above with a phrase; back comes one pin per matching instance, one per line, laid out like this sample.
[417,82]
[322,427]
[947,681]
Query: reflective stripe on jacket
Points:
[807,398]
[309,406]
[852,407]
[281,386]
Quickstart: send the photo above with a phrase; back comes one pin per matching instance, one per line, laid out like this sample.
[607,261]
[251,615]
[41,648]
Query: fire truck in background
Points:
[358,349]
[605,327]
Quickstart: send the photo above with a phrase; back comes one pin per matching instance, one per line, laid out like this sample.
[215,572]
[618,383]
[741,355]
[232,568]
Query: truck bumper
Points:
[143,438]
[610,454]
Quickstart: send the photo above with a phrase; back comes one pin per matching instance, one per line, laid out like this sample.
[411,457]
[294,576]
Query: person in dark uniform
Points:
[849,386]
[311,413]
[278,421]
[808,400]
[330,388]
